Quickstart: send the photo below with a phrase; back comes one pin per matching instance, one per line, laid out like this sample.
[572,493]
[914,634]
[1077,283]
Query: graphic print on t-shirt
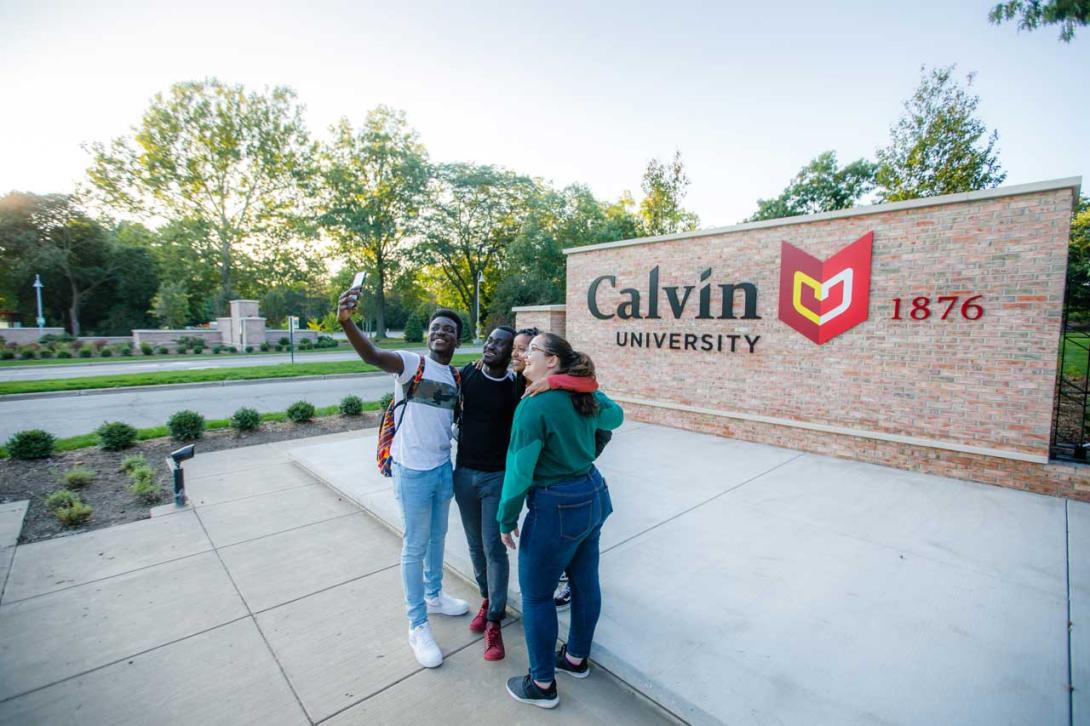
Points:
[435,393]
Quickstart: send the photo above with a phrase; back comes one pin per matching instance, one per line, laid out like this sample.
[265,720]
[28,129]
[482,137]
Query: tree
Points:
[664,187]
[212,154]
[938,146]
[820,186]
[374,183]
[1078,264]
[1034,13]
[172,304]
[473,215]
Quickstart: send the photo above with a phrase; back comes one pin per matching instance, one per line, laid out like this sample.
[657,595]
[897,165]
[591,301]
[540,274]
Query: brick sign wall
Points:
[921,334]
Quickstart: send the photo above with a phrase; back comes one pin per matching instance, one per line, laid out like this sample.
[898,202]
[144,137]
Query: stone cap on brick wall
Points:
[1074,183]
[539,308]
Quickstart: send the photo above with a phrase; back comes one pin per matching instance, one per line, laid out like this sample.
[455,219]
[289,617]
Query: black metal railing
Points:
[1070,435]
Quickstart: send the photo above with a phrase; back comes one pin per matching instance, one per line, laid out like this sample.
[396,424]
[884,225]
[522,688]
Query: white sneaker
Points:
[446,605]
[424,646]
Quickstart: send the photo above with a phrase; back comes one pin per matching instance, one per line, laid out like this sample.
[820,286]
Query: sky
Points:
[569,92]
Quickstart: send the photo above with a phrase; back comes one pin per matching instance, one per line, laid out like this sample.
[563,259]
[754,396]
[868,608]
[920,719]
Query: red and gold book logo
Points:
[823,299]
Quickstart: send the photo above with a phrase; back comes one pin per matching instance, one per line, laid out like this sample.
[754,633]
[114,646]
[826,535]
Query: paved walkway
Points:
[751,584]
[272,601]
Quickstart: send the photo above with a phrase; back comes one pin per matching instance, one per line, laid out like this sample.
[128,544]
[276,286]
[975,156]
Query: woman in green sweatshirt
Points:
[550,466]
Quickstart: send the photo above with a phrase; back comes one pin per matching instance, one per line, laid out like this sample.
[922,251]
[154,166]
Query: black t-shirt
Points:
[488,407]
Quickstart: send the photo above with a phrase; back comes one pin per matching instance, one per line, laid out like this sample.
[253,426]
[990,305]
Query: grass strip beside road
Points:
[82,441]
[211,375]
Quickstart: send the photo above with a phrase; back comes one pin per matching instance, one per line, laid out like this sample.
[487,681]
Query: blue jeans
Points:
[560,533]
[478,496]
[424,497]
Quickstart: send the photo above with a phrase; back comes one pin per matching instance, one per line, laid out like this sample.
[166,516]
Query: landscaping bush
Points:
[301,411]
[105,353]
[60,499]
[198,348]
[78,513]
[126,350]
[186,425]
[45,353]
[232,349]
[285,342]
[264,347]
[325,341]
[414,328]
[135,461]
[351,406]
[6,354]
[77,478]
[305,344]
[217,349]
[100,343]
[144,485]
[63,354]
[162,350]
[245,419]
[115,436]
[86,351]
[54,338]
[385,401]
[249,349]
[30,444]
[27,353]
[147,348]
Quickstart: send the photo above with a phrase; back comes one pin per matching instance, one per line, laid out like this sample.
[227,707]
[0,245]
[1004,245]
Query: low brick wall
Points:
[170,337]
[273,337]
[548,318]
[22,336]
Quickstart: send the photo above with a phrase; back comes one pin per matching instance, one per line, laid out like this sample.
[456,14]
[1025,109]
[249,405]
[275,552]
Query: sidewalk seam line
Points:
[123,658]
[701,504]
[110,577]
[1067,558]
[257,625]
[281,531]
[325,589]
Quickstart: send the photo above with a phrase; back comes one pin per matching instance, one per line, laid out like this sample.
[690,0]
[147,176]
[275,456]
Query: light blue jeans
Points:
[424,497]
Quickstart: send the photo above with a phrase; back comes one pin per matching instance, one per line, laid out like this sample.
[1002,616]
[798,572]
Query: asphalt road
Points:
[72,415]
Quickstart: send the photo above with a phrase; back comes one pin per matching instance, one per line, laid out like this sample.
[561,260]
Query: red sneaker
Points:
[493,641]
[478,621]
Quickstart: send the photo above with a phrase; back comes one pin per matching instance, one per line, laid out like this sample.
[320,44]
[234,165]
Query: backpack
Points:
[383,457]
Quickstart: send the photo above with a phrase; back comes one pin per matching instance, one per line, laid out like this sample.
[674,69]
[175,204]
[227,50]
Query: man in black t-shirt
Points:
[489,398]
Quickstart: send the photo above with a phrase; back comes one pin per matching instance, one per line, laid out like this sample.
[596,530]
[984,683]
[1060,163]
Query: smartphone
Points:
[358,279]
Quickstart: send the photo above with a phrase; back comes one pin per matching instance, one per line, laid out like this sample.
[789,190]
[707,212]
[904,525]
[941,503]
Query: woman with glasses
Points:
[550,466]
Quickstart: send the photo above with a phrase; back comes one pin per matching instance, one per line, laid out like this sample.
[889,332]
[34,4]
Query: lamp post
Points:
[38,291]
[477,326]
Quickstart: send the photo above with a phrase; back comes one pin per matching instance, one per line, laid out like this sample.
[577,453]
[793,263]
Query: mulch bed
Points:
[109,494]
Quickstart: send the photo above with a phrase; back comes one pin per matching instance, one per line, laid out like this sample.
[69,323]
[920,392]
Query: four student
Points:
[528,417]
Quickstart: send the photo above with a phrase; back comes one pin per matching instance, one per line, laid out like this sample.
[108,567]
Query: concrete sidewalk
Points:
[750,584]
[271,601]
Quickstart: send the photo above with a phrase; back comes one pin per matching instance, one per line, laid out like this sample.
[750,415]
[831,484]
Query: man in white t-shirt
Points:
[423,479]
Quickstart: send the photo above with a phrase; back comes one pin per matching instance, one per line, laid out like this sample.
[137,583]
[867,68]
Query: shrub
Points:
[325,341]
[105,353]
[147,348]
[78,513]
[198,348]
[181,349]
[45,353]
[78,478]
[301,411]
[26,353]
[246,419]
[306,344]
[351,406]
[264,347]
[385,401]
[30,444]
[63,354]
[414,328]
[60,499]
[249,349]
[100,343]
[162,350]
[54,338]
[86,351]
[232,349]
[134,461]
[6,354]
[144,485]
[126,350]
[285,341]
[186,425]
[115,435]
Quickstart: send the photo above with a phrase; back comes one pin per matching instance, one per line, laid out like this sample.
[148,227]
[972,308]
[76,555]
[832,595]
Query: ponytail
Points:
[573,363]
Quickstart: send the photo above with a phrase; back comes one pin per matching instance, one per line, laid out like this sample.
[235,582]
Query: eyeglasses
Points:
[534,348]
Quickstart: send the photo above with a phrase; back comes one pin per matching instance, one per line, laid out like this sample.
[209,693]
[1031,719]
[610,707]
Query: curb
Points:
[176,386]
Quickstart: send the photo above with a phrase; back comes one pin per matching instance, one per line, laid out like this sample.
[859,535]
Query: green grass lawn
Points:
[283,370]
[72,443]
[137,357]
[1075,355]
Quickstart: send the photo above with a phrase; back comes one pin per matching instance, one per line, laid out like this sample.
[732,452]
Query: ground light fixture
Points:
[174,463]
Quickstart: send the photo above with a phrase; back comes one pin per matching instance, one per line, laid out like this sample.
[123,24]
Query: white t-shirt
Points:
[422,438]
